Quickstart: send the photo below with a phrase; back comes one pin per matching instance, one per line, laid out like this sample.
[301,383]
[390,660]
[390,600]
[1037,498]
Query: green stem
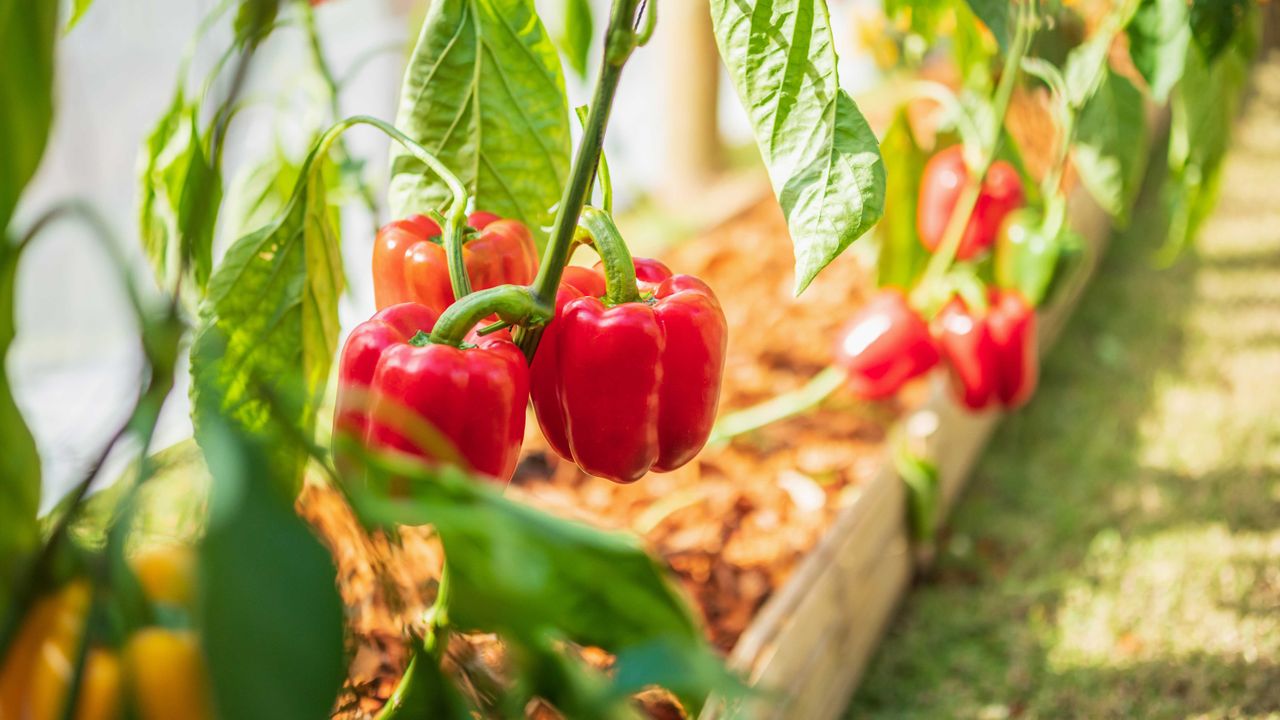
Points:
[778,408]
[619,268]
[620,41]
[602,172]
[455,220]
[335,107]
[512,303]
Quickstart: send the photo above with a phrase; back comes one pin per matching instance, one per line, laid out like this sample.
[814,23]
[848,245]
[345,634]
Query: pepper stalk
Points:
[621,39]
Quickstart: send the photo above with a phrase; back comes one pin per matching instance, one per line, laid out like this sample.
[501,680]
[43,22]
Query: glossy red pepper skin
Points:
[971,353]
[436,402]
[1012,323]
[409,267]
[885,345]
[631,388]
[940,187]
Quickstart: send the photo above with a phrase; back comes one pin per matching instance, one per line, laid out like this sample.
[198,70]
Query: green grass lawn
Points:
[1118,551]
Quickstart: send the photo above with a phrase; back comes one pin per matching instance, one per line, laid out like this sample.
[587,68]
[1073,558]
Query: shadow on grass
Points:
[983,635]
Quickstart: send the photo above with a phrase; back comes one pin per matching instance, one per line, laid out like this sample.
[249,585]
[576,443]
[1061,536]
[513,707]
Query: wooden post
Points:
[692,156]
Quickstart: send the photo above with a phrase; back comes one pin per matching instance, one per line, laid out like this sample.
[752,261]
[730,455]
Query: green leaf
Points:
[259,193]
[269,612]
[1158,39]
[254,20]
[902,257]
[522,573]
[425,691]
[180,190]
[1086,68]
[995,15]
[484,92]
[19,462]
[274,299]
[28,30]
[574,37]
[78,9]
[1215,22]
[1204,107]
[823,158]
[1111,144]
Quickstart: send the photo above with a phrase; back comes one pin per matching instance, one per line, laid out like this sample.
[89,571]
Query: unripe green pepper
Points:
[1027,255]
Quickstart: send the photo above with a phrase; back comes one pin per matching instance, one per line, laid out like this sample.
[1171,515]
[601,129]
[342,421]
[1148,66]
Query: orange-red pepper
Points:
[409,263]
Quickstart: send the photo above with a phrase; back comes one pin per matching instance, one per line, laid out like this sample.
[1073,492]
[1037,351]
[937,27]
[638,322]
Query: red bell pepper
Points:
[940,187]
[885,345]
[971,353]
[399,390]
[1012,323]
[409,263]
[629,384]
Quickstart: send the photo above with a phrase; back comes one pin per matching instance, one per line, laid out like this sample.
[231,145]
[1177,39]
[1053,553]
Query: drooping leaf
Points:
[1215,22]
[484,92]
[274,299]
[823,159]
[574,35]
[19,461]
[523,573]
[27,34]
[1158,37]
[180,191]
[1111,144]
[269,612]
[902,257]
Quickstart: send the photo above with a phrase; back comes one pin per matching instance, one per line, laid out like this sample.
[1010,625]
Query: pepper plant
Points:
[478,311]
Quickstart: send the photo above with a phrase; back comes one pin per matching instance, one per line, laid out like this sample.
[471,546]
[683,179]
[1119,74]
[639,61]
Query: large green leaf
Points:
[19,462]
[484,92]
[270,616]
[1158,37]
[274,302]
[525,574]
[822,157]
[27,33]
[1111,144]
[902,257]
[180,190]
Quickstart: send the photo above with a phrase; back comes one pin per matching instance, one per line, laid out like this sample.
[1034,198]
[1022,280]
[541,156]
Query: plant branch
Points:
[620,41]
